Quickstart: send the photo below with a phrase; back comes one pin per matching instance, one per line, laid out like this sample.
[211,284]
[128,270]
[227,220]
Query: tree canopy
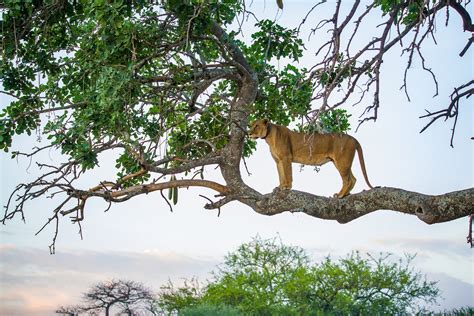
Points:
[169,88]
[266,277]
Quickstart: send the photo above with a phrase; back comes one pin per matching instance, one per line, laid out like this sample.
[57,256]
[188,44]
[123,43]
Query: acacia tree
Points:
[169,90]
[129,297]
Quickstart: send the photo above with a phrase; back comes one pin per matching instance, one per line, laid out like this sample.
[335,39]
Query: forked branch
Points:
[452,110]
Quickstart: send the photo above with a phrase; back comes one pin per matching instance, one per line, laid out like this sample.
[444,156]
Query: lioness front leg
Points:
[285,174]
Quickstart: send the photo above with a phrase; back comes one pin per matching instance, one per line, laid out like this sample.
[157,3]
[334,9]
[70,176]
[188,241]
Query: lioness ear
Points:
[265,121]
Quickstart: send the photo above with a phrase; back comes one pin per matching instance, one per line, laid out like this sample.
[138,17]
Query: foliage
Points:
[355,285]
[273,40]
[173,299]
[407,13]
[96,55]
[93,50]
[266,277]
[352,285]
[335,121]
[210,310]
[254,277]
[331,121]
[285,95]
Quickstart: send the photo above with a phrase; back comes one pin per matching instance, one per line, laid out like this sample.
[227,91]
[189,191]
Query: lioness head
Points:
[259,129]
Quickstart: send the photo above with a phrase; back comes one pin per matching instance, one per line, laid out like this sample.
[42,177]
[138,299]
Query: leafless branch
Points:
[452,110]
[361,68]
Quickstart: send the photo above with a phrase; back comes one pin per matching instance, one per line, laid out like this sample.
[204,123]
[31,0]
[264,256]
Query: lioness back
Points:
[316,148]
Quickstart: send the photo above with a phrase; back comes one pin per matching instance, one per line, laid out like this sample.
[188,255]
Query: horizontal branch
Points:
[209,75]
[428,208]
[147,188]
[128,193]
[186,165]
[49,110]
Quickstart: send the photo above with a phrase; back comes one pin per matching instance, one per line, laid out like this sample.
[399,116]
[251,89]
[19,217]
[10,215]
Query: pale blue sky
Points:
[142,240]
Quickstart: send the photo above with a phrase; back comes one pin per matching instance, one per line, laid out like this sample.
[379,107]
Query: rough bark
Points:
[428,208]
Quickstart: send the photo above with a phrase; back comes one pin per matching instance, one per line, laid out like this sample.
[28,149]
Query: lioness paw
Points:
[339,196]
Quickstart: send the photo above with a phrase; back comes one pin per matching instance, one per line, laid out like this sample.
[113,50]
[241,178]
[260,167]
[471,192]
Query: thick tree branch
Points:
[465,16]
[238,57]
[239,110]
[428,208]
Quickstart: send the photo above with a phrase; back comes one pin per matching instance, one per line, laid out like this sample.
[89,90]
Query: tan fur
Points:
[287,146]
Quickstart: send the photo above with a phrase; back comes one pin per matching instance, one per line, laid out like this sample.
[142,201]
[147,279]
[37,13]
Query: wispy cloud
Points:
[435,255]
[5,232]
[439,246]
[35,283]
[454,293]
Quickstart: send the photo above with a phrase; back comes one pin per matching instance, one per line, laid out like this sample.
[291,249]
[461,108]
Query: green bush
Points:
[210,310]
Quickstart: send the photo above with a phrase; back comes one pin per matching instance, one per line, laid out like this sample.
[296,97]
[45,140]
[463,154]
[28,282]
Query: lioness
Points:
[316,149]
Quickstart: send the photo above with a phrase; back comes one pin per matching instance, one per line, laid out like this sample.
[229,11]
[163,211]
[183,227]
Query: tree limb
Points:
[465,16]
[428,208]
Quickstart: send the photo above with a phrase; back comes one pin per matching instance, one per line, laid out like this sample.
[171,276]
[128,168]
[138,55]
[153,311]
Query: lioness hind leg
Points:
[353,182]
[348,182]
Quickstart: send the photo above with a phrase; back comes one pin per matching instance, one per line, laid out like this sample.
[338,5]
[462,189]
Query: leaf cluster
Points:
[405,12]
[272,40]
[285,95]
[179,298]
[200,13]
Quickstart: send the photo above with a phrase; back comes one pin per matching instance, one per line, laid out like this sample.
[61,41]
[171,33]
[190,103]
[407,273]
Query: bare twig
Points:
[452,110]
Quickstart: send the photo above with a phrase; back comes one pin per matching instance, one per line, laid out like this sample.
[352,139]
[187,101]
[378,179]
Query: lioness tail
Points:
[362,164]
